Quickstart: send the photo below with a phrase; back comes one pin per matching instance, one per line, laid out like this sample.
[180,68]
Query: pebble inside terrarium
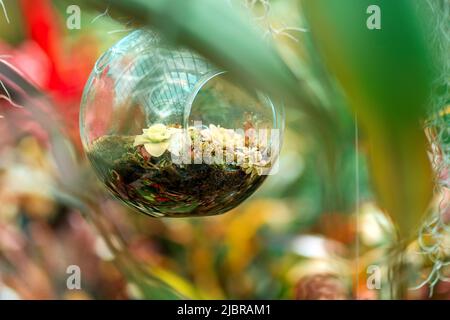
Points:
[170,135]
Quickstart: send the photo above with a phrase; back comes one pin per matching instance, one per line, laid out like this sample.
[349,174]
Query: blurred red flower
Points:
[58,68]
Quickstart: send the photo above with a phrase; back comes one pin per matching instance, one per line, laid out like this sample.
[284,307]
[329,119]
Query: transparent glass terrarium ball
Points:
[171,135]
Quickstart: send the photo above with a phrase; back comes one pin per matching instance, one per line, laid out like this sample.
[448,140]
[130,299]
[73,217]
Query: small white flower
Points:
[155,139]
[156,149]
[206,134]
[177,142]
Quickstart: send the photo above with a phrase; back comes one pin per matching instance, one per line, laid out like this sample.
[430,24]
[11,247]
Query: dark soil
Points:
[158,187]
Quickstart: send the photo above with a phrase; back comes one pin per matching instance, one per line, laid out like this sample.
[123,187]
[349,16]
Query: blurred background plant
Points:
[347,191]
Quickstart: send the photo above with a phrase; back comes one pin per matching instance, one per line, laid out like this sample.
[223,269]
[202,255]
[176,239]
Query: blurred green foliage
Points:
[337,65]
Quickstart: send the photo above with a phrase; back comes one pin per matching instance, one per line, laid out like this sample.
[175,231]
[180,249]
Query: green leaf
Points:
[386,76]
[216,30]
